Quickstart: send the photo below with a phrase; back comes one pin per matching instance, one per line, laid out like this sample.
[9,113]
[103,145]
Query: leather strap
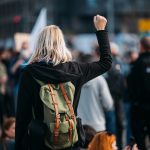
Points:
[67,100]
[70,128]
[57,115]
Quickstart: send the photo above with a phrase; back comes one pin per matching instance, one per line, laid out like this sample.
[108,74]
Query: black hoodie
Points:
[77,73]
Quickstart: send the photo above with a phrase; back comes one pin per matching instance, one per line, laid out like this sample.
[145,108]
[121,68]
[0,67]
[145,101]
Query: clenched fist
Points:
[100,22]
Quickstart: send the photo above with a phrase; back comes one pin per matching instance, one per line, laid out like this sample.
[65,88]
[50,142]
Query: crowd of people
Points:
[10,65]
[113,107]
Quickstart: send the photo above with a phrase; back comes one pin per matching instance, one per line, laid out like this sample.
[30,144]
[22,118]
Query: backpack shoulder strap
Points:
[57,115]
[67,100]
[70,109]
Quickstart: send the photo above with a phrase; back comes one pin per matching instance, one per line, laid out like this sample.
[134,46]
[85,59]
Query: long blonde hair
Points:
[51,47]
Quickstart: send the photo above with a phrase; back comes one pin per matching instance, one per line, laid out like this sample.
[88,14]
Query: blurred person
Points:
[116,83]
[6,55]
[6,58]
[139,91]
[25,51]
[89,135]
[24,55]
[51,63]
[3,80]
[13,81]
[16,68]
[109,114]
[132,56]
[95,100]
[8,135]
[103,141]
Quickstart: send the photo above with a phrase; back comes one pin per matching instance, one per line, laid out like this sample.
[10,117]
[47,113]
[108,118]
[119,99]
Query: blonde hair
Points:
[51,47]
[102,141]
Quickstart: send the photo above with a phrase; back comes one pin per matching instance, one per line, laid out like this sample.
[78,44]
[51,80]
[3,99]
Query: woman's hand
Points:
[100,22]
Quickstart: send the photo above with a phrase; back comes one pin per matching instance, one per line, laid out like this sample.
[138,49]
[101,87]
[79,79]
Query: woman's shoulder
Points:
[24,72]
[26,67]
[74,63]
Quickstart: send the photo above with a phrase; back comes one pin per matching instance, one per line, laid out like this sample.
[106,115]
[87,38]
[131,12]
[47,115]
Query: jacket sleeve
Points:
[94,69]
[24,109]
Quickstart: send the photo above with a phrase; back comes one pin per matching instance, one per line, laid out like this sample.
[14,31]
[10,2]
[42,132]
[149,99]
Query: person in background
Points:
[103,141]
[95,100]
[8,134]
[109,114]
[116,83]
[16,68]
[23,56]
[139,91]
[132,56]
[3,80]
[6,56]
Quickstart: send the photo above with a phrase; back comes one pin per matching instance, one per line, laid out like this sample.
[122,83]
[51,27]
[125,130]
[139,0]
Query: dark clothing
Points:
[139,92]
[119,115]
[2,109]
[140,125]
[115,80]
[139,80]
[116,83]
[77,73]
[7,145]
[71,148]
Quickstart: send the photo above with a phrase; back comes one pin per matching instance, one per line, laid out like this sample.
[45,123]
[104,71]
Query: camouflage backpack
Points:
[59,114]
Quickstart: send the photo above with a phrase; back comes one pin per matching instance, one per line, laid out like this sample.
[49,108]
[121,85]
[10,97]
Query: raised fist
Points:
[100,22]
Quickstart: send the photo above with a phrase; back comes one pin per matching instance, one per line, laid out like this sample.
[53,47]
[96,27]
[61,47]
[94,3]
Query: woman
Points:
[51,63]
[103,141]
[8,134]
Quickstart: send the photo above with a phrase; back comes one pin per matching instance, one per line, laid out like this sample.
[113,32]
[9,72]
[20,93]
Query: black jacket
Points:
[139,81]
[77,73]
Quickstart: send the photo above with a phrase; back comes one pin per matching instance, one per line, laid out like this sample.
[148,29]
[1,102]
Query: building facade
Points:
[71,15]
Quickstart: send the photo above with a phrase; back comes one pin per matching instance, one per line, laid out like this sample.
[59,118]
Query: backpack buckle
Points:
[57,116]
